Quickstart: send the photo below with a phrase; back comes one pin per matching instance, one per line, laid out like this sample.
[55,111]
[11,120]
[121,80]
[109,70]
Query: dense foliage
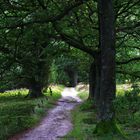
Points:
[46,42]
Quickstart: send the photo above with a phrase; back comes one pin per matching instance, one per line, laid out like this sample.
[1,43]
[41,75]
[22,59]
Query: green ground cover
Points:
[18,113]
[127,106]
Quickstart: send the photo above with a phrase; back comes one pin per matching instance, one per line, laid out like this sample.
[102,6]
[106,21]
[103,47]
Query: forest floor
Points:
[127,105]
[57,123]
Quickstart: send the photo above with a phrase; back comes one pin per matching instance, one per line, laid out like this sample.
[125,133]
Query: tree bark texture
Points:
[107,46]
[92,80]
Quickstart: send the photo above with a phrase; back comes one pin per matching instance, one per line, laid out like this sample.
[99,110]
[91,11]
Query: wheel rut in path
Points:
[58,122]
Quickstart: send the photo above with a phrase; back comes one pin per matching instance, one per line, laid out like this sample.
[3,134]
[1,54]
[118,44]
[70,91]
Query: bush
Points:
[128,106]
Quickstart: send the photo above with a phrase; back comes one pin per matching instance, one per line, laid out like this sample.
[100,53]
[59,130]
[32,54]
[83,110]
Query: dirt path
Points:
[57,123]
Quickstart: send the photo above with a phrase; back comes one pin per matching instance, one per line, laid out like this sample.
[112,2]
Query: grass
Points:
[18,113]
[83,95]
[82,91]
[127,107]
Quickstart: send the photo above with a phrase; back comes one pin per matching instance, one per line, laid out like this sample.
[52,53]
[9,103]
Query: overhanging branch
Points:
[66,11]
[75,42]
[128,61]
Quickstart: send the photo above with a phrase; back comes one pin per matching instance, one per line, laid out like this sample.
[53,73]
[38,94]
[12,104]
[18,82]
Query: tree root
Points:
[109,127]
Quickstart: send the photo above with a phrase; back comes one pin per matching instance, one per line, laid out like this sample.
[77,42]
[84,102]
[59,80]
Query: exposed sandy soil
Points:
[57,123]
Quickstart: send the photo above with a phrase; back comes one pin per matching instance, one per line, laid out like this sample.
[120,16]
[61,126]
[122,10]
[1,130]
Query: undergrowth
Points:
[127,105]
[18,113]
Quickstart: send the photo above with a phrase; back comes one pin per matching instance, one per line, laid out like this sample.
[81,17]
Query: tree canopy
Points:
[94,41]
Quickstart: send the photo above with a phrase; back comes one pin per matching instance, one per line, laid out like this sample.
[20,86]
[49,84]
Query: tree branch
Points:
[128,61]
[52,19]
[75,43]
[122,29]
[127,7]
[128,73]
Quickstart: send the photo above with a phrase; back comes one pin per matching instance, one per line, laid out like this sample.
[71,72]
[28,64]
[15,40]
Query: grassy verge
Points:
[18,113]
[82,91]
[127,107]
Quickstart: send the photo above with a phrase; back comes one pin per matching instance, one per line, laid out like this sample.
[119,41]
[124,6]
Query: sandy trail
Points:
[57,123]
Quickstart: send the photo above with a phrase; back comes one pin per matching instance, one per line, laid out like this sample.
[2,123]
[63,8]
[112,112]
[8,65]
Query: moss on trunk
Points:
[108,127]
